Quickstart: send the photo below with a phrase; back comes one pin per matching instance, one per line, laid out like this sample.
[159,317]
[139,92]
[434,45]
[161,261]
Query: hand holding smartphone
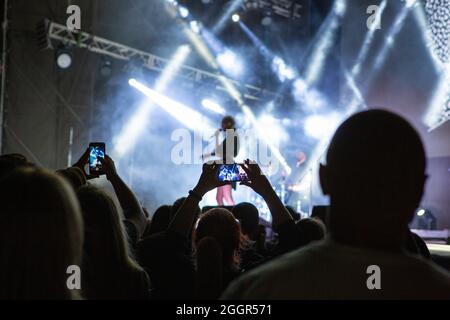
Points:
[96,151]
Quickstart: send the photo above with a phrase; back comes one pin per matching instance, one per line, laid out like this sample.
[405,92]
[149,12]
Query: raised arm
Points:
[261,185]
[184,217]
[131,207]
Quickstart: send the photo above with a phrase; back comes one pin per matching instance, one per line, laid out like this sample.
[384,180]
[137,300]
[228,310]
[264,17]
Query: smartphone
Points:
[96,151]
[231,173]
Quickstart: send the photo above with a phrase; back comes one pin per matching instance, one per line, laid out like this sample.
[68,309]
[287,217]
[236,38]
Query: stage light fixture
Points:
[184,12]
[283,71]
[106,68]
[230,8]
[63,58]
[266,21]
[425,220]
[235,17]
[195,26]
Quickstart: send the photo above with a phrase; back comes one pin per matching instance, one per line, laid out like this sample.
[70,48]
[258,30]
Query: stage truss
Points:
[49,31]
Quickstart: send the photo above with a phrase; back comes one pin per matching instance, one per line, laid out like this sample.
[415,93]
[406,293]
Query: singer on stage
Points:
[228,131]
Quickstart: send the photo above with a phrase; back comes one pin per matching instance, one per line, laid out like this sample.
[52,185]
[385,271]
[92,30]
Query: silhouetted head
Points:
[220,224]
[41,235]
[374,175]
[161,219]
[12,161]
[106,250]
[104,233]
[248,216]
[74,176]
[310,230]
[228,122]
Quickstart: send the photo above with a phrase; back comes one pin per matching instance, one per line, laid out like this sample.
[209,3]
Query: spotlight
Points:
[213,106]
[266,21]
[300,87]
[235,17]
[410,3]
[230,63]
[191,118]
[184,12]
[341,6]
[278,134]
[321,126]
[195,26]
[425,220]
[129,135]
[106,68]
[284,72]
[63,58]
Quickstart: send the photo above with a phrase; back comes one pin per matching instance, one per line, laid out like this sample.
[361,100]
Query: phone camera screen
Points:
[96,152]
[231,173]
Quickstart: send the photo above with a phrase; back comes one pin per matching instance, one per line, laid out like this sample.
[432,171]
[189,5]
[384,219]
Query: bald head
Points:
[375,171]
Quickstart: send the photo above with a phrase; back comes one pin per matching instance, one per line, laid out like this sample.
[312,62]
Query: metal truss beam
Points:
[59,32]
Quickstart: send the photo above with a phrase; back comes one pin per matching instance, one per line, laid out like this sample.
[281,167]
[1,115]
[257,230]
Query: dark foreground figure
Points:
[375,175]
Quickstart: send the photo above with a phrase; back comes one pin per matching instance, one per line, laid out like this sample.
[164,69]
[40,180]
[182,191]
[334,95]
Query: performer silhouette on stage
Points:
[227,156]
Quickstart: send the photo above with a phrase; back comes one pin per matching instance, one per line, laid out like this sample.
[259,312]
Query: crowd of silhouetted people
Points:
[374,175]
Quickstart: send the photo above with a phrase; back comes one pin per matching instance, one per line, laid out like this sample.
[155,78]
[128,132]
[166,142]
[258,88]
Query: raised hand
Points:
[256,179]
[109,167]
[82,162]
[261,185]
[208,179]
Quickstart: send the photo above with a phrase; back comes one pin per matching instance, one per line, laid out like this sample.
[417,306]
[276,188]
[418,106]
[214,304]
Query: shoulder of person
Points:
[255,283]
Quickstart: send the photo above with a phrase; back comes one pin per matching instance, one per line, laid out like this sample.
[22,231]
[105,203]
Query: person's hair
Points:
[74,176]
[209,279]
[220,224]
[229,119]
[160,220]
[248,216]
[12,161]
[375,174]
[217,241]
[41,235]
[310,230]
[107,262]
